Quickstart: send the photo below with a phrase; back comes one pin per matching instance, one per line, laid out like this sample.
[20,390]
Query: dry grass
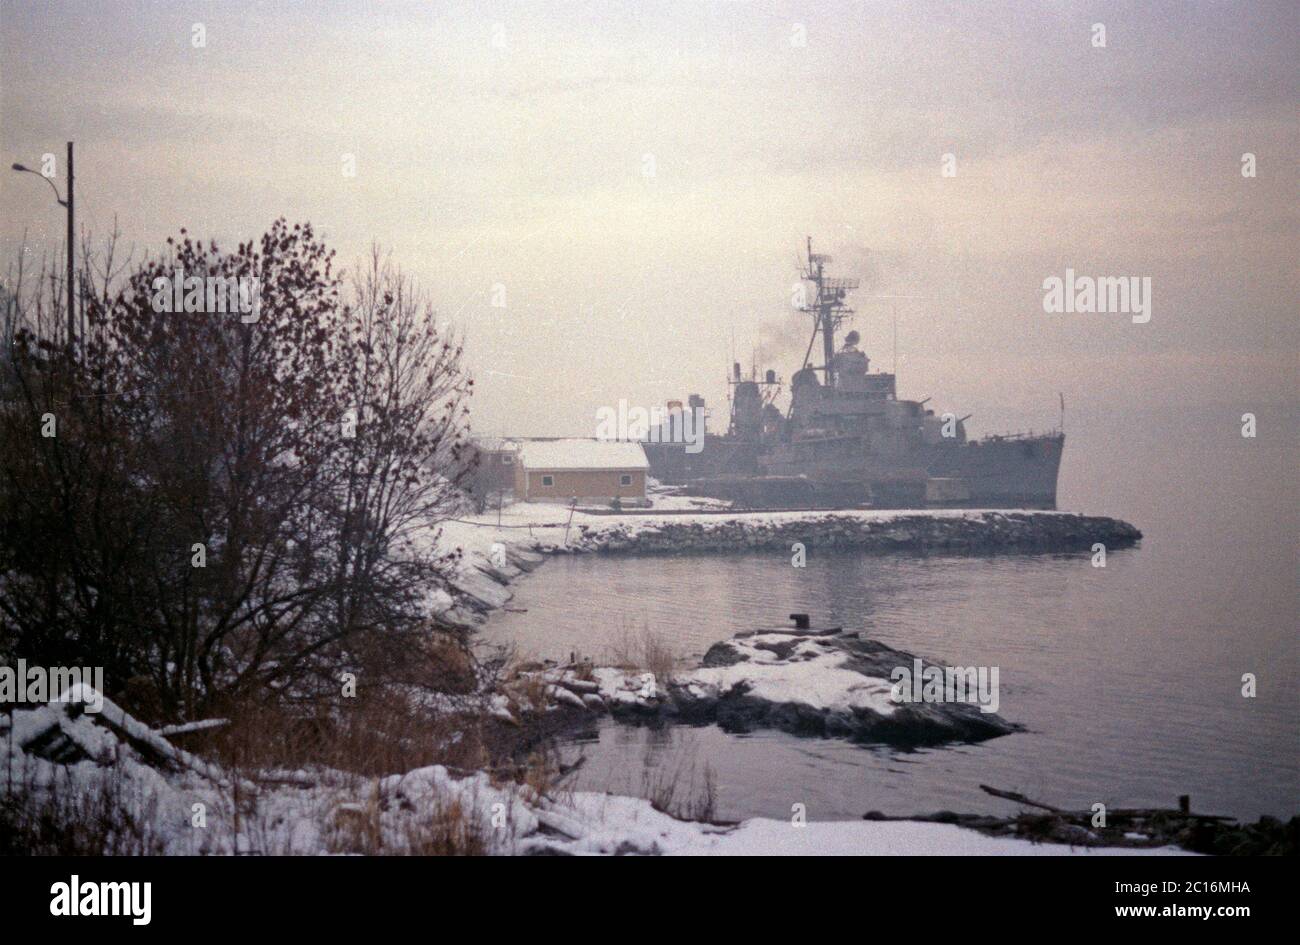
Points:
[446,829]
[682,793]
[526,692]
[452,665]
[63,819]
[374,734]
[675,783]
[446,832]
[539,775]
[645,651]
[383,729]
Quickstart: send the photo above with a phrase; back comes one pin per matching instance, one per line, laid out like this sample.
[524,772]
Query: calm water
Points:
[1128,677]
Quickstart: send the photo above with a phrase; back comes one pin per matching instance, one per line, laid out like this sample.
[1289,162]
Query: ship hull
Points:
[1002,472]
[997,472]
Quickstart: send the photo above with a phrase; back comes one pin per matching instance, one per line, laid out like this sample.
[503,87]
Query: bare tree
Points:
[228,505]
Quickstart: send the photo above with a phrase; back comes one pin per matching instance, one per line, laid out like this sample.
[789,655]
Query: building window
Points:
[507,459]
[625,480]
[548,480]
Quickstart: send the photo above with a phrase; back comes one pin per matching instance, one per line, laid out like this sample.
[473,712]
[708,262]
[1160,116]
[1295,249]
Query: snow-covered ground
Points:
[613,820]
[190,806]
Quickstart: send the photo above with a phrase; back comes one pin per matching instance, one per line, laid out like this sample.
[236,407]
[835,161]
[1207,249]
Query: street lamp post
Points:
[71,277]
[72,260]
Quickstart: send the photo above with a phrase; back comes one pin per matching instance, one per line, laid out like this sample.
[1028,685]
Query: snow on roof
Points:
[582,454]
[495,444]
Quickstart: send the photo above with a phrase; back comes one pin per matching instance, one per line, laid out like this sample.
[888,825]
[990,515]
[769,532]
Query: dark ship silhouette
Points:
[846,439]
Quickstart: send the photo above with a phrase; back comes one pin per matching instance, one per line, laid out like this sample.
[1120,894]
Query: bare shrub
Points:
[303,459]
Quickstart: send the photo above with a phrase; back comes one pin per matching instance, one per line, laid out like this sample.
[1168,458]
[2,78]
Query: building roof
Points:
[582,454]
[495,444]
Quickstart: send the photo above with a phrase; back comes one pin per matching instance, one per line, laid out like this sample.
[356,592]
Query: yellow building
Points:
[591,471]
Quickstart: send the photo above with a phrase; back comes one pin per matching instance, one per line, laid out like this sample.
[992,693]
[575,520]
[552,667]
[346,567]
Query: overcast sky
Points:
[509,143]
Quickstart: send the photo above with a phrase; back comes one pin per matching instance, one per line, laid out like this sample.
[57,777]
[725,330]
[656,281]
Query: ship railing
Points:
[1030,435]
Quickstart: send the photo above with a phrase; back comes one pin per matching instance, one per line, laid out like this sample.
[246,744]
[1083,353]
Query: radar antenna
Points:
[827,307]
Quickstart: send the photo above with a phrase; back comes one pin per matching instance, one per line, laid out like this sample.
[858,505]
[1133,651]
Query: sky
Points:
[636,182]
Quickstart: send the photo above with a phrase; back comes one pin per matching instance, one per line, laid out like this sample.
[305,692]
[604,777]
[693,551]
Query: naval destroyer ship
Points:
[846,439]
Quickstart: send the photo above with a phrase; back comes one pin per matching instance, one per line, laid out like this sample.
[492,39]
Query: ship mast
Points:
[827,307]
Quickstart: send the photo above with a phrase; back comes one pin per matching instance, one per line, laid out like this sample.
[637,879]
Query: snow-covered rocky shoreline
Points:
[809,682]
[193,807]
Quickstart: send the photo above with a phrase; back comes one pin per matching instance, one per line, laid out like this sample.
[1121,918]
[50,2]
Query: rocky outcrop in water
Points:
[808,682]
[827,684]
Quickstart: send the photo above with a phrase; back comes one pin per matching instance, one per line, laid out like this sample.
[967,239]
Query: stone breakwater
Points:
[968,533]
